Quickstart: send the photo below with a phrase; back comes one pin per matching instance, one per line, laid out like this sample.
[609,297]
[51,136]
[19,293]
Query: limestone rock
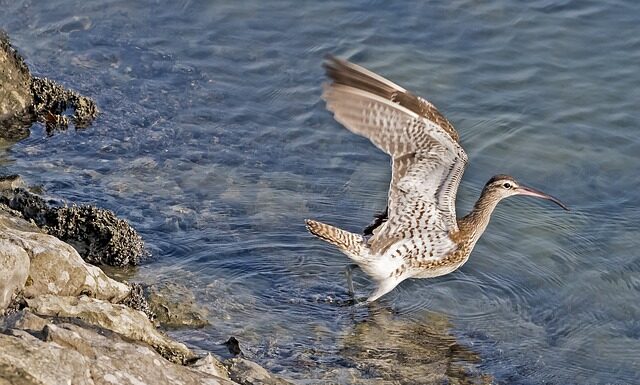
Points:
[14,269]
[246,372]
[56,268]
[70,354]
[121,319]
[210,365]
[23,320]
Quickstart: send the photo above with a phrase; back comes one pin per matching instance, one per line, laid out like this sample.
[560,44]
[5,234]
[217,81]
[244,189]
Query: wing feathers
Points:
[345,73]
[428,161]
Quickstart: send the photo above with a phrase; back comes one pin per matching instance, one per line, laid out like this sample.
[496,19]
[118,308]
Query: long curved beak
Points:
[524,190]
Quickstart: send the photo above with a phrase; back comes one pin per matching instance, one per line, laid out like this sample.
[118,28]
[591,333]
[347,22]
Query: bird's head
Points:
[503,186]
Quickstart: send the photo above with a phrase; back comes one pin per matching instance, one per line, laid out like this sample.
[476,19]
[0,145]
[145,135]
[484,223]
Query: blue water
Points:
[214,143]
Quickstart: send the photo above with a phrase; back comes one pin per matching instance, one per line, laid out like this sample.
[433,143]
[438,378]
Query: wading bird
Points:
[418,235]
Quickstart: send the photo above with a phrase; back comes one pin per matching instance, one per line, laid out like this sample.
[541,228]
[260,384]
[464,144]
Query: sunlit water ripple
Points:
[214,143]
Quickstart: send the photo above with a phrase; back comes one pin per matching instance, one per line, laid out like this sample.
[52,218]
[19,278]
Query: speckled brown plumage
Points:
[420,236]
[349,74]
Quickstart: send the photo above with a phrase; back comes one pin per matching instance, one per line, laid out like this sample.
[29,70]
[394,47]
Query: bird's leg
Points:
[379,218]
[349,271]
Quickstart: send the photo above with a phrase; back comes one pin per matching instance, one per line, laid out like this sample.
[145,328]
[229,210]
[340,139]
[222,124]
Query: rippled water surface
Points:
[214,143]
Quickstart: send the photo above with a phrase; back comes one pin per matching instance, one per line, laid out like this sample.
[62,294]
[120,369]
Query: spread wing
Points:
[427,160]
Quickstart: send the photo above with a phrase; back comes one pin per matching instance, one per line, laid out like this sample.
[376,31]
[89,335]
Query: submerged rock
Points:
[97,234]
[175,306]
[25,99]
[38,351]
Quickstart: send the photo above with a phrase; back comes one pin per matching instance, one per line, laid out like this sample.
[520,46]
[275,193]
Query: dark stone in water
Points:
[97,234]
[234,346]
[25,99]
[51,101]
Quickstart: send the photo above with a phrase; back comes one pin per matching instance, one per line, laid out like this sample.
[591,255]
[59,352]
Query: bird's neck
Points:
[473,224]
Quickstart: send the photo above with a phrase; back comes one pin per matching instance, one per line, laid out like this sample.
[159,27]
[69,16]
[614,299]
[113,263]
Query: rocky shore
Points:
[62,319]
[25,99]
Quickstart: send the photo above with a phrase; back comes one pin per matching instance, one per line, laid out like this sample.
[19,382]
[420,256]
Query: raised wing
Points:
[428,161]
[346,73]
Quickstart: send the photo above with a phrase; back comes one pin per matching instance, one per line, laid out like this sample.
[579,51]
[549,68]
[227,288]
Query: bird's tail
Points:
[353,245]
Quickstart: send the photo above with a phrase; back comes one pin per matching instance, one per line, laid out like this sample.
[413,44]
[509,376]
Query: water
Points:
[213,142]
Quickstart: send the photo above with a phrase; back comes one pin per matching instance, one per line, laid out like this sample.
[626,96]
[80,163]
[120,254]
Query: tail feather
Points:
[353,245]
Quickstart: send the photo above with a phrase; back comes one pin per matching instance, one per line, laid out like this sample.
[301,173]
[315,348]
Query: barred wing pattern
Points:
[428,161]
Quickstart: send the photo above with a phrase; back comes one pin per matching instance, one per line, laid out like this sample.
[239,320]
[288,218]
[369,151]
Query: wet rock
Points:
[51,101]
[25,99]
[233,346]
[10,182]
[175,306]
[14,270]
[246,372]
[97,234]
[137,301]
[15,92]
[30,206]
[121,319]
[46,353]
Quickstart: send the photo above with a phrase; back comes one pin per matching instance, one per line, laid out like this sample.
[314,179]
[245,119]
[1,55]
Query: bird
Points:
[419,234]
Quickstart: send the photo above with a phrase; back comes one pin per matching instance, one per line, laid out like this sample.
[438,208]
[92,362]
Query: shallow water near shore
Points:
[213,142]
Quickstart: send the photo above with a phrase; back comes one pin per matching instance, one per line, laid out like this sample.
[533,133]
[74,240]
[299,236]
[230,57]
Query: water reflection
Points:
[384,347]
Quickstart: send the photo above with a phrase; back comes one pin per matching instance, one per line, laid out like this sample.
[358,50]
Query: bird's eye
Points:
[507,185]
